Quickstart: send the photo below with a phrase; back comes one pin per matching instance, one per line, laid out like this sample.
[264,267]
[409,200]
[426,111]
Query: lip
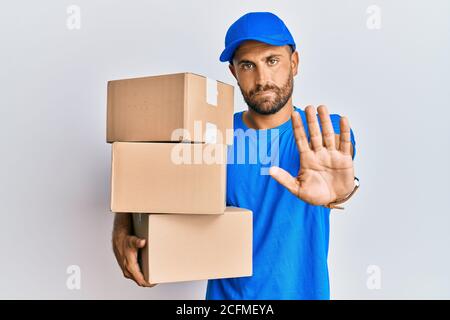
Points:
[263,93]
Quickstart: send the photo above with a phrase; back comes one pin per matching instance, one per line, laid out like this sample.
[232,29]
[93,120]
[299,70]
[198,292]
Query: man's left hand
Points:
[326,170]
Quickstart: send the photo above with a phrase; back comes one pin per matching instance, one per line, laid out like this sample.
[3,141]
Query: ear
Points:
[233,70]
[294,63]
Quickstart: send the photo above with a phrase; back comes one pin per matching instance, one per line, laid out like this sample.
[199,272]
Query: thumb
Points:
[141,243]
[284,178]
[135,242]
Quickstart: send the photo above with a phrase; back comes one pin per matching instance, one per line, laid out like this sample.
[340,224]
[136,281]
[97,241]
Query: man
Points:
[291,204]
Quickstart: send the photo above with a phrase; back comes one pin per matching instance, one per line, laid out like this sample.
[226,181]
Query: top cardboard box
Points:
[151,109]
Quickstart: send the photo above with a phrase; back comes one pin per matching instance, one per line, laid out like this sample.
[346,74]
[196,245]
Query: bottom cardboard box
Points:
[183,247]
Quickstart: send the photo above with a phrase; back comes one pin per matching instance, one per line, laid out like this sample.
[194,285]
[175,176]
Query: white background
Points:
[392,83]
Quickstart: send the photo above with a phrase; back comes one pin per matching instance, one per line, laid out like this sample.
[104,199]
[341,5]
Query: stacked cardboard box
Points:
[169,152]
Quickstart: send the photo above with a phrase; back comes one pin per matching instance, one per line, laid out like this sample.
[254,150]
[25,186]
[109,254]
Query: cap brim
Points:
[227,54]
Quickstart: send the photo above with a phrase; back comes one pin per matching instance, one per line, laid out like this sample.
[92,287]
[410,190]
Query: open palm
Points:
[326,170]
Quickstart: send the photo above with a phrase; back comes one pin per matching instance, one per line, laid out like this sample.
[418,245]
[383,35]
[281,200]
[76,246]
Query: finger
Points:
[126,274]
[313,127]
[327,128]
[344,142]
[299,133]
[135,242]
[284,178]
[135,271]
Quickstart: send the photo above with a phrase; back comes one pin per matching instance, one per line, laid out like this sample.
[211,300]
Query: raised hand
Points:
[326,171]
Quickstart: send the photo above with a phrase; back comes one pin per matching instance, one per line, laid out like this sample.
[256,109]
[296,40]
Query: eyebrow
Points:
[265,58]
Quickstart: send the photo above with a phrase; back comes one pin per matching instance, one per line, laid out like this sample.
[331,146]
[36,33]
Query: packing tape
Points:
[211,91]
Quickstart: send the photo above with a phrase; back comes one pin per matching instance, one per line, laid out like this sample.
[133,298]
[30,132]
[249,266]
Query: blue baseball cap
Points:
[260,26]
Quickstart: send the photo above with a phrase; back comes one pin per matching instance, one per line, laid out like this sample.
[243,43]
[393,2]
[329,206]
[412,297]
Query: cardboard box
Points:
[168,177]
[193,247]
[151,108]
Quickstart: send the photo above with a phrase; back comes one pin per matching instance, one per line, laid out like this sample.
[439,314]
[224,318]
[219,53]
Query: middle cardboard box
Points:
[158,177]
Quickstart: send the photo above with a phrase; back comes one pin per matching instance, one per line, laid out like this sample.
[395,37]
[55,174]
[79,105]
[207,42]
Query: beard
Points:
[272,102]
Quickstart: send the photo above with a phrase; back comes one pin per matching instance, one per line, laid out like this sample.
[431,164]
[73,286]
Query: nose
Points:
[262,77]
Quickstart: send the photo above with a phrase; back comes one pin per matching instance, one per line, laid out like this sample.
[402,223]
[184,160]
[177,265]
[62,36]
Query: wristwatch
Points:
[333,205]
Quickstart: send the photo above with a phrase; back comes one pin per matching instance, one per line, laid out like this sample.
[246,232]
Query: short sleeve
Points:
[335,120]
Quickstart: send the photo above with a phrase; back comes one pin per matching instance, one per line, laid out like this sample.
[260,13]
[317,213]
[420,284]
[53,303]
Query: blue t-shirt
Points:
[290,236]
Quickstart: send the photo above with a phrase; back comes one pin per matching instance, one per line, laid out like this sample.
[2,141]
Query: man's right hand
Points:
[126,247]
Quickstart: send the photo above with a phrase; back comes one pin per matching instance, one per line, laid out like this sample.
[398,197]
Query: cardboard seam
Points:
[112,177]
[186,115]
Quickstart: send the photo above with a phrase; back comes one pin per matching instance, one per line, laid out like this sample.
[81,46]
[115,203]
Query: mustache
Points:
[260,88]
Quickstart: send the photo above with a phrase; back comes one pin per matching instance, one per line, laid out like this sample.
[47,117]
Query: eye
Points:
[246,66]
[273,61]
